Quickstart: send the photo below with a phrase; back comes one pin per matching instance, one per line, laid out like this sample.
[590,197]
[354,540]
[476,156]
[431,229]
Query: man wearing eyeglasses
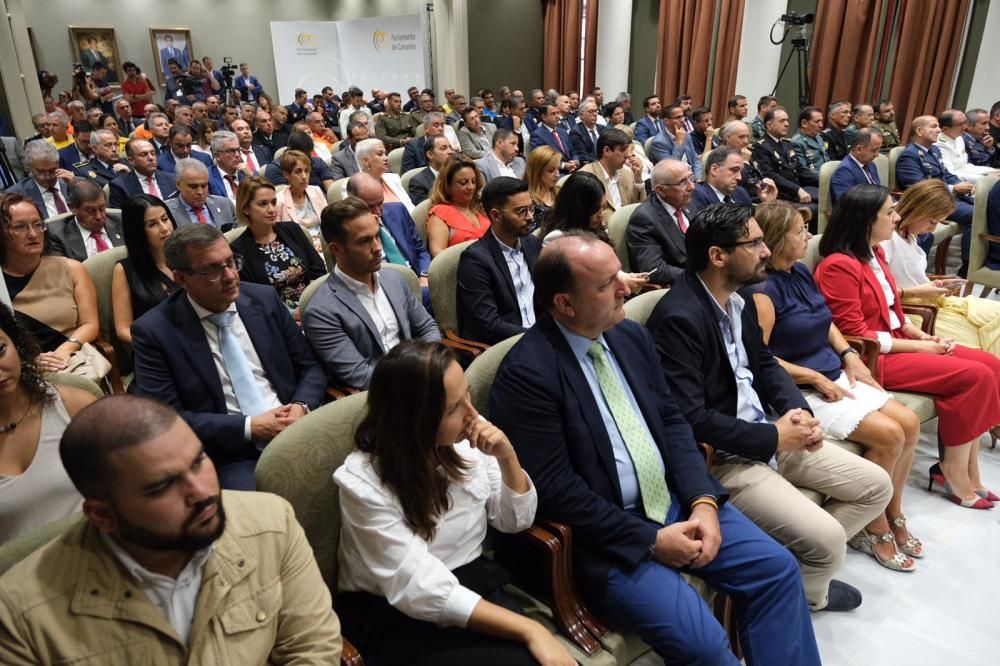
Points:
[655,235]
[728,385]
[495,288]
[229,169]
[90,230]
[675,142]
[228,357]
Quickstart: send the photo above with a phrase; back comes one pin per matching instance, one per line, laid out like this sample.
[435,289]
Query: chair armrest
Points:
[708,451]
[338,392]
[927,314]
[565,535]
[114,378]
[550,579]
[349,655]
[450,335]
[868,349]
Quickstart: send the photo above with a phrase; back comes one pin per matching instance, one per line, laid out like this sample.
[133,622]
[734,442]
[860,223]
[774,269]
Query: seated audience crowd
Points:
[264,260]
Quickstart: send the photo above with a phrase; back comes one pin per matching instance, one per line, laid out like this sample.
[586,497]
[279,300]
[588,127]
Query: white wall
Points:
[237,28]
[614,34]
[759,59]
[985,89]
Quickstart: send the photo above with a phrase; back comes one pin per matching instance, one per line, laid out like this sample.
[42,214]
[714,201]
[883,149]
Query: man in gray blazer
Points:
[503,159]
[193,204]
[90,230]
[362,310]
[344,163]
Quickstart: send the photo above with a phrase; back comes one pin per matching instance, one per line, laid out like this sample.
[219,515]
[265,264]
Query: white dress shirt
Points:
[672,212]
[524,288]
[230,190]
[381,555]
[885,338]
[614,194]
[449,132]
[175,598]
[505,169]
[906,260]
[344,118]
[50,200]
[89,242]
[956,159]
[144,184]
[267,391]
[378,307]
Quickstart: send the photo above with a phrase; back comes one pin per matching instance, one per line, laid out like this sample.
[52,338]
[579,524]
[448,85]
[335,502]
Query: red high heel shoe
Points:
[937,476]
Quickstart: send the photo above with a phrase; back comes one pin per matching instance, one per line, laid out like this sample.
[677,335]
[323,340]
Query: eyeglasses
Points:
[228,151]
[753,244]
[681,183]
[215,273]
[22,229]
[521,211]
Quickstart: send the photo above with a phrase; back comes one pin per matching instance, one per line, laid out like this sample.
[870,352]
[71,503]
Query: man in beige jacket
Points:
[164,568]
[618,170]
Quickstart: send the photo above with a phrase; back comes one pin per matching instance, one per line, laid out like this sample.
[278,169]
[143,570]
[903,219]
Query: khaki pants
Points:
[857,491]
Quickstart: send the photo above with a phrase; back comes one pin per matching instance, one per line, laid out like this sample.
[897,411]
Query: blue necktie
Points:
[238,366]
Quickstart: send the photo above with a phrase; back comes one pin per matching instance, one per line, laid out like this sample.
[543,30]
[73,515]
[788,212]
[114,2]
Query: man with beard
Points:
[163,568]
[228,357]
[727,383]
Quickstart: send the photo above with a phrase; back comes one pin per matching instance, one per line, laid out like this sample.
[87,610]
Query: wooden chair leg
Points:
[985,292]
[967,290]
[941,256]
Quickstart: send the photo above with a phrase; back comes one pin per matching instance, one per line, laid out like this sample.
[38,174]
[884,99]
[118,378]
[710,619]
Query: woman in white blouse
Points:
[373,160]
[971,322]
[416,498]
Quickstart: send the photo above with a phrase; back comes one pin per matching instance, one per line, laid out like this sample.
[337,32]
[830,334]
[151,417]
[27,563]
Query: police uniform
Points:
[391,130]
[757,129]
[94,170]
[836,143]
[811,150]
[890,135]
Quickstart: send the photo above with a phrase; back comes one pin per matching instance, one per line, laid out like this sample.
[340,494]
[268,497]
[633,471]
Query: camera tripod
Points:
[800,51]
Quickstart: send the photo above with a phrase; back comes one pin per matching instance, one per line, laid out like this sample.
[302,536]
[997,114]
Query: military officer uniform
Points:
[392,130]
[780,161]
[95,170]
[811,150]
[757,130]
[836,143]
[890,135]
[977,152]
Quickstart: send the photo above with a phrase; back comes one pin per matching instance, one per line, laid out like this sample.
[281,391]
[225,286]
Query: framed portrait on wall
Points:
[96,45]
[170,43]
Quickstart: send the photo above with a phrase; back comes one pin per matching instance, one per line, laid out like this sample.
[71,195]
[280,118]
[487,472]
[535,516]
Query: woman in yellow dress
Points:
[970,321]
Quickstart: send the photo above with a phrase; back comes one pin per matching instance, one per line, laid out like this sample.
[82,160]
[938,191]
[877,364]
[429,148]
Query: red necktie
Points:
[60,204]
[200,214]
[232,183]
[99,241]
[681,224]
[151,184]
[555,135]
[248,158]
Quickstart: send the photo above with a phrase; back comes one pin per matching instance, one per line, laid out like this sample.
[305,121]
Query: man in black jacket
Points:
[778,159]
[495,289]
[730,389]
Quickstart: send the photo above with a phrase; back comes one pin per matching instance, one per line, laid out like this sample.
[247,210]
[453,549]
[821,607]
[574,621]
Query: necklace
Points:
[4,429]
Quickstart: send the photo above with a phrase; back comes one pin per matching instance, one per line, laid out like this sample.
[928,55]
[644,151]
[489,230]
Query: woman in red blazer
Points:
[861,292]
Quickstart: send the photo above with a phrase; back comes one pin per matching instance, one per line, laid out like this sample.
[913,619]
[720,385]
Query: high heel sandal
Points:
[937,476]
[913,547]
[865,542]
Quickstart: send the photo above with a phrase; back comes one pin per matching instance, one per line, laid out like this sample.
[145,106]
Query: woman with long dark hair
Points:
[416,497]
[34,487]
[861,291]
[141,281]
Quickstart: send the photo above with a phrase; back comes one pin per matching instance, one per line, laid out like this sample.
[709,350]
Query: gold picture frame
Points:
[97,44]
[167,43]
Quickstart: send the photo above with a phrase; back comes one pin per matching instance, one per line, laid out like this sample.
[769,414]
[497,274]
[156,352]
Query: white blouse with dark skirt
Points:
[380,554]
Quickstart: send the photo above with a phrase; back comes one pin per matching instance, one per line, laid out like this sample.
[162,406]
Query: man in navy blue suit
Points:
[228,357]
[548,133]
[723,175]
[921,160]
[46,183]
[247,84]
[585,133]
[79,151]
[858,167]
[584,403]
[179,142]
[651,124]
[144,177]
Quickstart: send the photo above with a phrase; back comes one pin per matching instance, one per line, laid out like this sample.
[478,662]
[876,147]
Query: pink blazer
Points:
[286,208]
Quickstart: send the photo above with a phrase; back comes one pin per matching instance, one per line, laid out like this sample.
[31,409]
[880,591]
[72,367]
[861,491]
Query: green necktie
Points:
[652,484]
[392,253]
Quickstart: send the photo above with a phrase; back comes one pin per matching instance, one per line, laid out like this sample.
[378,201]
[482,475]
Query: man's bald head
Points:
[669,171]
[925,130]
[364,186]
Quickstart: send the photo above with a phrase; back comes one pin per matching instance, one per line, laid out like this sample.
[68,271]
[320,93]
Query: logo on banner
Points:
[305,38]
[379,39]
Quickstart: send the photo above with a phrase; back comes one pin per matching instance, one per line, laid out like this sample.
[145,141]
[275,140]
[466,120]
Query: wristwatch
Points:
[78,343]
[849,350]
[304,406]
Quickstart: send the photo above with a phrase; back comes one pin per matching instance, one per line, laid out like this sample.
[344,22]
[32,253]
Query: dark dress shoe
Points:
[842,597]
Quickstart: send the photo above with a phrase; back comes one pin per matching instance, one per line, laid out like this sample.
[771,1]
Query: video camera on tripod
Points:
[800,49]
[228,71]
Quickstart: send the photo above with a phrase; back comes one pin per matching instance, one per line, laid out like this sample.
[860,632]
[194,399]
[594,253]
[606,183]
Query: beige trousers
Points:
[857,491]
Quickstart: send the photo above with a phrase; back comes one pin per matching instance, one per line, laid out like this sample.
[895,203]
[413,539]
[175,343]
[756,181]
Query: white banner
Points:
[388,53]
